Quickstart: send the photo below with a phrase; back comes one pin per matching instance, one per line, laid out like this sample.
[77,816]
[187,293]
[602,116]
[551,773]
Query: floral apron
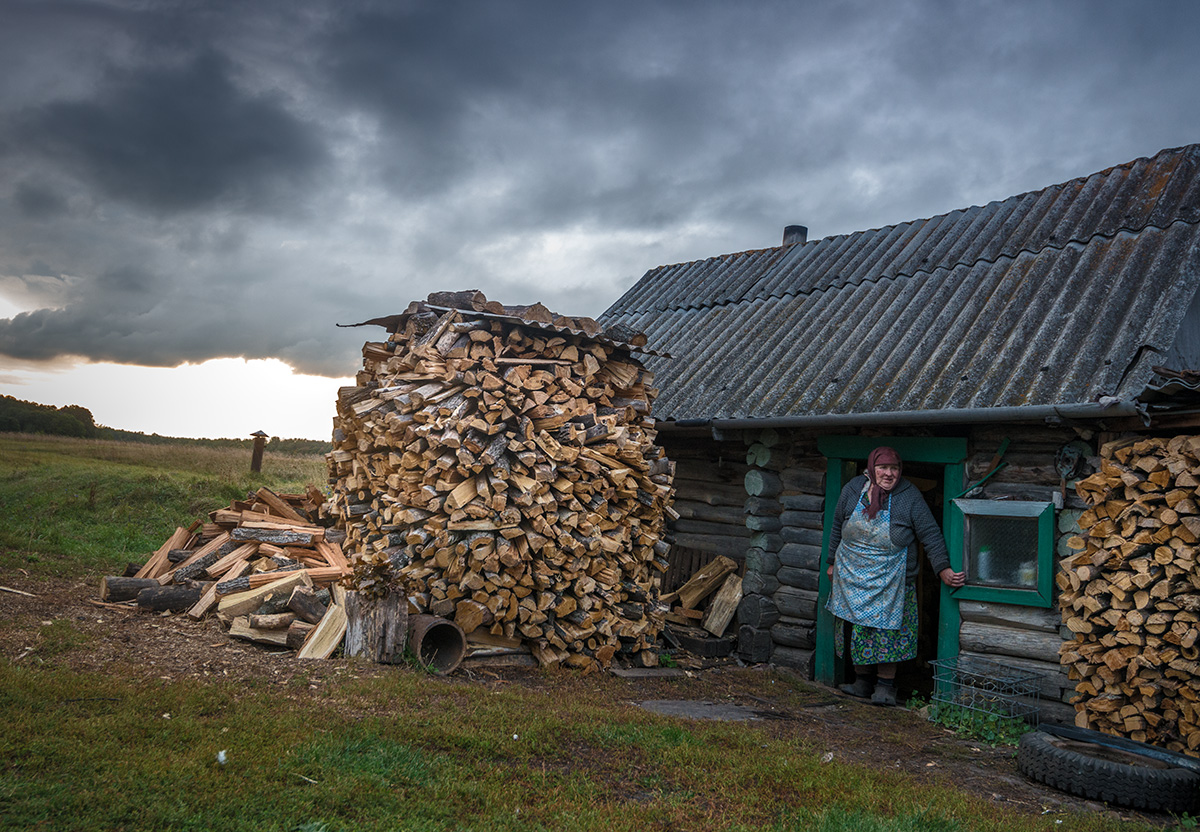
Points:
[870,592]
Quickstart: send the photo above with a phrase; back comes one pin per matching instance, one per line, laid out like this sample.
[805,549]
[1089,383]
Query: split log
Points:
[723,606]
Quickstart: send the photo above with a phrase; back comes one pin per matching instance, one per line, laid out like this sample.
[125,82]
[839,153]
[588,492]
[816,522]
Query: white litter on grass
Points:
[221,757]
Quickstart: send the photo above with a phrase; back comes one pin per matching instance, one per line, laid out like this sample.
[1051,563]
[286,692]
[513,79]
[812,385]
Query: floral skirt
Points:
[869,645]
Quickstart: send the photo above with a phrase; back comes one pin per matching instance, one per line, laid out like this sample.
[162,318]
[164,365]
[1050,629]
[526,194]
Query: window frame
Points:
[1040,596]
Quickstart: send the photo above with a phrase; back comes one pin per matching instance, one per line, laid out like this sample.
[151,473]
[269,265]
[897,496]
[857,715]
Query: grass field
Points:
[79,506]
[394,750]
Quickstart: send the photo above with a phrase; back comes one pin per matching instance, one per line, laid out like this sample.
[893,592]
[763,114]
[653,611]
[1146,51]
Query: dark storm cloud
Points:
[176,138]
[182,181]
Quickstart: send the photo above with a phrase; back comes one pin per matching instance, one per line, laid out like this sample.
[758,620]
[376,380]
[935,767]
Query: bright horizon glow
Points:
[217,399]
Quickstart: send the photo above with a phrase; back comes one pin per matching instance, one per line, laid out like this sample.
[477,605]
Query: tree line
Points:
[17,416]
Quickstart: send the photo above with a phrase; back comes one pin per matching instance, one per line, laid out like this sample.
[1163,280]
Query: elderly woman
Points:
[877,523]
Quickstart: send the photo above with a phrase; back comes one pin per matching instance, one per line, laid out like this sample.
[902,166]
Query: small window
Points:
[1007,550]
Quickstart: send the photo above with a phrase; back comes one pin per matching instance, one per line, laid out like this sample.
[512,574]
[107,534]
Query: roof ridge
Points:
[1024,194]
[876,278]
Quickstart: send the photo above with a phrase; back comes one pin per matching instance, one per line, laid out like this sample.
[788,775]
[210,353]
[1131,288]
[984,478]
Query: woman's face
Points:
[887,474]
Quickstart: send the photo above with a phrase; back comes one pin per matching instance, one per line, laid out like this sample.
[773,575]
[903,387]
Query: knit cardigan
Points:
[911,521]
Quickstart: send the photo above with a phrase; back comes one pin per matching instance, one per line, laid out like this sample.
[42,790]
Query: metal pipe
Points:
[950,416]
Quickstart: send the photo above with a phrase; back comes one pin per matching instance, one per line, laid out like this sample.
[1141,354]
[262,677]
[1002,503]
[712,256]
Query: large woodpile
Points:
[1132,595]
[499,464]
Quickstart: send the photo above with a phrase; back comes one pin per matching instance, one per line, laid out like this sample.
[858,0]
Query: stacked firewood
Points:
[1131,594]
[259,564]
[498,463]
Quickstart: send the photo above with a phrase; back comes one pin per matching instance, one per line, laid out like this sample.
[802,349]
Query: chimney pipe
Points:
[793,234]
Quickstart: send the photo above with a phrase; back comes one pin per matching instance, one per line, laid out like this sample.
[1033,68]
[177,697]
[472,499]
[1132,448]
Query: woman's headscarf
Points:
[882,455]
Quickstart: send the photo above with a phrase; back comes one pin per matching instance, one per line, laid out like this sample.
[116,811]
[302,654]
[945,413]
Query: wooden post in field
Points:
[260,442]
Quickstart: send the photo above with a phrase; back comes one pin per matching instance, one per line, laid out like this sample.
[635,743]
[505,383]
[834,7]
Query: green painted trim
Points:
[1043,596]
[914,448]
[949,620]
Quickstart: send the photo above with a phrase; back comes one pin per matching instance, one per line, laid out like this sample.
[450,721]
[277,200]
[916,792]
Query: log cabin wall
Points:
[783,504]
[1028,638]
[710,500]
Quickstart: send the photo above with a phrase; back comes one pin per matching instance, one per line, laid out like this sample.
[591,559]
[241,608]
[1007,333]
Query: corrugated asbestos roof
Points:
[1053,297]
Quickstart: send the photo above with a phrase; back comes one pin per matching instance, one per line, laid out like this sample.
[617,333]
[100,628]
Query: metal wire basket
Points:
[987,687]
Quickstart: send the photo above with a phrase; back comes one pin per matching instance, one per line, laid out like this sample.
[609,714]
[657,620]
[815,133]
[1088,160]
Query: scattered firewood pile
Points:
[1132,595]
[498,464]
[263,565]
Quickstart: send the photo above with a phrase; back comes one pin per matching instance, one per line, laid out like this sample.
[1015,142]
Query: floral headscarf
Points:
[882,455]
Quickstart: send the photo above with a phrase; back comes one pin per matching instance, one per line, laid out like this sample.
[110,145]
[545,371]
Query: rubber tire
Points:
[1116,776]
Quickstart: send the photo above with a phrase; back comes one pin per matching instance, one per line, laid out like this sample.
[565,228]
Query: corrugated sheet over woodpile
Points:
[1056,296]
[500,464]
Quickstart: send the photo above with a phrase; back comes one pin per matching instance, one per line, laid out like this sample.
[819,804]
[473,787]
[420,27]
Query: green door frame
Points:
[840,453]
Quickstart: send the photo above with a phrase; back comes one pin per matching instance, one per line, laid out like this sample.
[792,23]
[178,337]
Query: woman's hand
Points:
[951,578]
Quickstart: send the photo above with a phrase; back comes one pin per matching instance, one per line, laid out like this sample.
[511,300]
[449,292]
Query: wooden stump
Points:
[376,628]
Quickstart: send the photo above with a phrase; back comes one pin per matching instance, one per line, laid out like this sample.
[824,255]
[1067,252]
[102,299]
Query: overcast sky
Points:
[182,182]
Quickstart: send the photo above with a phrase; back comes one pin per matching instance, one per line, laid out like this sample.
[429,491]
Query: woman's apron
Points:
[869,572]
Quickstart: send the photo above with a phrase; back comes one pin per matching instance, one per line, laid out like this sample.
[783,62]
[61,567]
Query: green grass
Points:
[405,751]
[87,507]
[400,750]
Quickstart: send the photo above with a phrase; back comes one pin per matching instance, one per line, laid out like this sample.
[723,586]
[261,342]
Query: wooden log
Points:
[326,636]
[804,519]
[799,578]
[794,633]
[1011,615]
[796,603]
[241,628]
[804,480]
[761,561]
[763,524]
[115,588]
[799,659]
[759,583]
[244,603]
[761,506]
[762,483]
[376,628]
[1052,681]
[803,503]
[211,546]
[754,645]
[806,537]
[723,607]
[168,598]
[800,556]
[159,563]
[279,505]
[304,603]
[273,621]
[1007,641]
[705,581]
[297,633]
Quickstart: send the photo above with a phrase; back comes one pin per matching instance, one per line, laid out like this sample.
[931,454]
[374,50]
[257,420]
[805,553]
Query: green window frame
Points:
[1040,593]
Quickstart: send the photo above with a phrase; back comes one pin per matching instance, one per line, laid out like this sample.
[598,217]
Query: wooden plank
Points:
[280,506]
[158,562]
[326,636]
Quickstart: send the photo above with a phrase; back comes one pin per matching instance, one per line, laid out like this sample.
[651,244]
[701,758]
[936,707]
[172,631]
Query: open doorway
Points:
[915,677]
[936,467]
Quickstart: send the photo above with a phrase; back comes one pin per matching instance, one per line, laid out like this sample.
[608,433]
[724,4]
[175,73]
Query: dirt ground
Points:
[120,639]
